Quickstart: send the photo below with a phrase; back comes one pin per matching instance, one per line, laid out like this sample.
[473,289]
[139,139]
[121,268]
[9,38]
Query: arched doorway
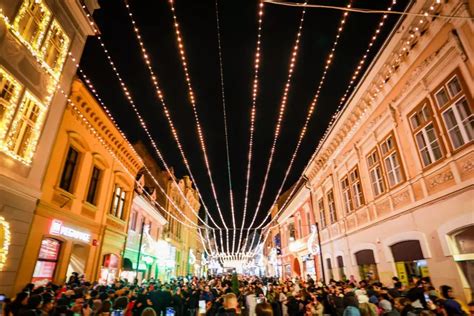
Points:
[463,244]
[409,260]
[367,266]
[296,267]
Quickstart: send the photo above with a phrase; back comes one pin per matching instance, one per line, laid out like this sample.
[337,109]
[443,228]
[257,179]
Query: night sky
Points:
[238,32]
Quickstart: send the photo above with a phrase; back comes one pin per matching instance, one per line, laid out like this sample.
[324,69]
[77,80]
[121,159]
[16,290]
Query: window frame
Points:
[393,151]
[62,54]
[72,183]
[332,210]
[98,184]
[322,212]
[373,167]
[465,91]
[11,106]
[42,28]
[122,202]
[355,182]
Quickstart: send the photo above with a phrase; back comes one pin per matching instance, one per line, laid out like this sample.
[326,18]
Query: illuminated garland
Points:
[414,31]
[192,100]
[252,115]
[159,93]
[6,238]
[224,111]
[281,113]
[10,107]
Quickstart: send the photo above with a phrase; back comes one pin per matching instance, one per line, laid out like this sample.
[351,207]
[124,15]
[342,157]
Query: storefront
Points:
[309,265]
[409,261]
[60,248]
[367,266]
[111,256]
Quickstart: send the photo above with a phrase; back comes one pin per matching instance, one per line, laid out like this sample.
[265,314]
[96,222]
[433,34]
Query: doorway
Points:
[77,261]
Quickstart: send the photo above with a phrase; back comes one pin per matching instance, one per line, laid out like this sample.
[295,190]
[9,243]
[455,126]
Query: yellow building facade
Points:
[80,222]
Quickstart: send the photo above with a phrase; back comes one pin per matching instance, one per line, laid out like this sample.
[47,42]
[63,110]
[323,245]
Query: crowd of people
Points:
[229,295]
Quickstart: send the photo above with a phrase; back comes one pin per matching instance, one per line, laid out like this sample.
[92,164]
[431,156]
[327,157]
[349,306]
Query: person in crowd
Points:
[230,306]
[451,305]
[351,305]
[264,309]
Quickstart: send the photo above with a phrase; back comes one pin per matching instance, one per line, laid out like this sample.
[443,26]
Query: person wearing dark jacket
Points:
[230,305]
[20,302]
[34,306]
[452,307]
[178,302]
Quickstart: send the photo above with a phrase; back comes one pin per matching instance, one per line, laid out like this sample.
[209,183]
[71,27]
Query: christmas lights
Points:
[159,94]
[410,38]
[5,237]
[192,100]
[9,101]
[253,111]
[226,134]
[281,113]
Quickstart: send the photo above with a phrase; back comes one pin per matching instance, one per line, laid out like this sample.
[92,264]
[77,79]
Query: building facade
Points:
[392,182]
[80,222]
[172,194]
[36,38]
[147,255]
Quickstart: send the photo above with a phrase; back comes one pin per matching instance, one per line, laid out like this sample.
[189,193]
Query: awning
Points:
[365,257]
[409,250]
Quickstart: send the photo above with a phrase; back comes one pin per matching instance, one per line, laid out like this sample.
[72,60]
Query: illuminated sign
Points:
[313,247]
[57,228]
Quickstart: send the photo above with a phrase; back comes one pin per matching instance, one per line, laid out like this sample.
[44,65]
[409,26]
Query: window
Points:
[133,221]
[47,261]
[332,207]
[346,194]
[428,145]
[9,92]
[93,186]
[308,220]
[391,161]
[291,232]
[118,202]
[55,48]
[459,121]
[356,187]
[26,127]
[322,213]
[442,97]
[420,117]
[454,87]
[32,20]
[300,228]
[69,169]
[375,171]
[353,197]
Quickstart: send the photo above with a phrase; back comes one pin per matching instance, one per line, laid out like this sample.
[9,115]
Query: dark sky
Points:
[238,31]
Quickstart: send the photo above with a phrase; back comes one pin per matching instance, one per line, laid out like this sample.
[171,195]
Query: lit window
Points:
[9,93]
[55,47]
[428,145]
[26,128]
[118,202]
[31,21]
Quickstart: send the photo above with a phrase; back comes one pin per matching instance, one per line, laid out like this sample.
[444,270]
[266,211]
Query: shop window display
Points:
[47,261]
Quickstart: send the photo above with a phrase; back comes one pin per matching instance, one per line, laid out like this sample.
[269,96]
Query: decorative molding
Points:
[440,178]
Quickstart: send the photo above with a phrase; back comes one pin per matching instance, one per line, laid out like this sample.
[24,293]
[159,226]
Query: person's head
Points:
[148,312]
[350,299]
[121,303]
[264,309]
[48,302]
[35,301]
[400,302]
[385,305]
[21,298]
[446,291]
[230,301]
[471,308]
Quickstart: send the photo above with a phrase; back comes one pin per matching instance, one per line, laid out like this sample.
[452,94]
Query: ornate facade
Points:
[391,183]
[37,41]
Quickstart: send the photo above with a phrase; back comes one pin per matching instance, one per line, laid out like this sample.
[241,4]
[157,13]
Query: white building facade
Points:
[392,181]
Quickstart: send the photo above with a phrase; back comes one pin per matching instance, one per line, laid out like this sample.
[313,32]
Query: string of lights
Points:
[311,109]
[226,134]
[192,100]
[281,113]
[253,111]
[413,32]
[160,95]
[142,122]
[370,11]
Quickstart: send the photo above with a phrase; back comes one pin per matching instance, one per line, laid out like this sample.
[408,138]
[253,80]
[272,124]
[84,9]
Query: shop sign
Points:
[57,228]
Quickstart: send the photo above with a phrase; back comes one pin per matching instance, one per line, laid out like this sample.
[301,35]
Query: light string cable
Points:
[161,99]
[224,113]
[343,99]
[140,118]
[192,100]
[311,107]
[370,11]
[281,113]
[255,90]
